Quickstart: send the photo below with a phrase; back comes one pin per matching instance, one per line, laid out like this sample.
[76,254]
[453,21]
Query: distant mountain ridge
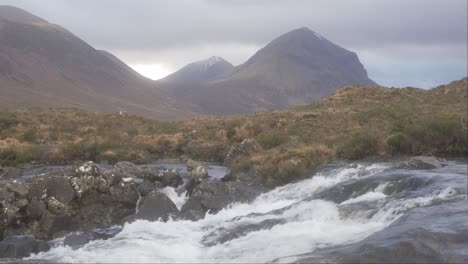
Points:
[44,65]
[294,69]
[200,71]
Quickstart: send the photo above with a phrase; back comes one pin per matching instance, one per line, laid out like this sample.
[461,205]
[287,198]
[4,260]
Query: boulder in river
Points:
[214,196]
[171,177]
[21,246]
[424,163]
[154,206]
[59,187]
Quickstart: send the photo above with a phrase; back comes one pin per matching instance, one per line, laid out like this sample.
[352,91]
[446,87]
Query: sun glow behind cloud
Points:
[153,71]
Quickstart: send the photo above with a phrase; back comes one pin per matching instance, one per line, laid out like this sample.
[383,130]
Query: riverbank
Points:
[352,123]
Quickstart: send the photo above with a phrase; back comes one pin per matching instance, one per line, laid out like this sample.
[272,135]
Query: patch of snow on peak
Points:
[318,36]
[209,62]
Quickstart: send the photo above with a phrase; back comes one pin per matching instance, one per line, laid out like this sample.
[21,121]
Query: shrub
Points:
[268,140]
[7,120]
[399,142]
[30,135]
[241,164]
[357,147]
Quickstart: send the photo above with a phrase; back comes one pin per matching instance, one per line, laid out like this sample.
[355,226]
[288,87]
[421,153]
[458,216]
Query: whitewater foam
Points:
[301,225]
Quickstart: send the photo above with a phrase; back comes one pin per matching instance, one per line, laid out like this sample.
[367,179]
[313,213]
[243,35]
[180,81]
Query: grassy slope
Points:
[352,123]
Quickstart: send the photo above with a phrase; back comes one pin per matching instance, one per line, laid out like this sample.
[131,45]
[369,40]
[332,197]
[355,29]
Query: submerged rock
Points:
[77,240]
[424,163]
[214,196]
[21,246]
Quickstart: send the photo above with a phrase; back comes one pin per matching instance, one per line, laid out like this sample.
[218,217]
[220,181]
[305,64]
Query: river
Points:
[346,212]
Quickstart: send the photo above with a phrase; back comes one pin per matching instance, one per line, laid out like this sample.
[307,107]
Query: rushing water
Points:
[343,204]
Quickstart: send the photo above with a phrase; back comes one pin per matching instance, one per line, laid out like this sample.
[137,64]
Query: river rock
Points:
[151,173]
[154,206]
[41,187]
[424,163]
[247,147]
[144,187]
[124,193]
[214,196]
[18,188]
[10,173]
[171,177]
[36,208]
[78,239]
[21,246]
[88,169]
[84,184]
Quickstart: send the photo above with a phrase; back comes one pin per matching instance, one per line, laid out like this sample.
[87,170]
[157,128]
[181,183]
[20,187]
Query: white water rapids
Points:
[304,224]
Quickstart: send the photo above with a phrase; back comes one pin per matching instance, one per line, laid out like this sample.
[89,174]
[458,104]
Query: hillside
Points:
[294,69]
[44,65]
[352,123]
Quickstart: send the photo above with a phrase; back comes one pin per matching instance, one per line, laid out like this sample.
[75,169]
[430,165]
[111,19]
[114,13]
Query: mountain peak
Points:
[18,15]
[203,70]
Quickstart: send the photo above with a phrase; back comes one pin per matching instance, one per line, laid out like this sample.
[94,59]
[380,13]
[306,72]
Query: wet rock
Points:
[21,246]
[41,187]
[200,171]
[88,169]
[6,196]
[171,177]
[121,170]
[50,224]
[36,208]
[18,188]
[154,206]
[144,187]
[222,235]
[128,168]
[214,196]
[84,184]
[10,173]
[124,193]
[78,240]
[55,206]
[9,213]
[22,203]
[246,148]
[424,163]
[151,173]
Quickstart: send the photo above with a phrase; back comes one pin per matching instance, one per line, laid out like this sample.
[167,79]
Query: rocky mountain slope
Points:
[294,69]
[44,65]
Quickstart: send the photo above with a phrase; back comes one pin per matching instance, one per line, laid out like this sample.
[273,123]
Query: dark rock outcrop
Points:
[214,196]
[155,206]
[246,148]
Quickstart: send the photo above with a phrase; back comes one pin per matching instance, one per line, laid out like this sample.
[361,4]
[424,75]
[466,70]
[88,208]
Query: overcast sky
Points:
[419,43]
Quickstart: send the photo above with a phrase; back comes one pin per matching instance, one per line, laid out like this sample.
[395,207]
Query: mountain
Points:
[200,71]
[44,65]
[294,69]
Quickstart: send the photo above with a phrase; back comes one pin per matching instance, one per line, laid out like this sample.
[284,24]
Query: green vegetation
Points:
[358,146]
[353,123]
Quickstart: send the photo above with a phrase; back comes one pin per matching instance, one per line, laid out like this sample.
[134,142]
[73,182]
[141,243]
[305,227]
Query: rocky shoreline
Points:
[74,203]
